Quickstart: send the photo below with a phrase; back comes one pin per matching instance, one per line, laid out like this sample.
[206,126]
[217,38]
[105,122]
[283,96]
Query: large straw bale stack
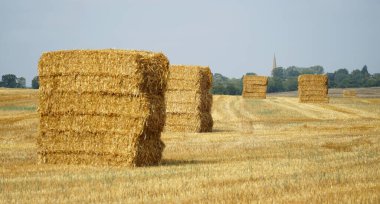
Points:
[255,86]
[313,88]
[102,107]
[349,93]
[188,99]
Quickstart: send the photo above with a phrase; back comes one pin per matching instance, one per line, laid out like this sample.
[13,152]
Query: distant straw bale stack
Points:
[255,86]
[102,107]
[313,88]
[188,99]
[349,93]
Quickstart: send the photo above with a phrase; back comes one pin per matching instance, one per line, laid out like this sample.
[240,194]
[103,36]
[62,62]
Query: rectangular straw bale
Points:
[104,104]
[143,70]
[189,94]
[349,93]
[313,88]
[184,77]
[320,93]
[200,104]
[312,79]
[313,99]
[257,80]
[201,122]
[102,107]
[255,86]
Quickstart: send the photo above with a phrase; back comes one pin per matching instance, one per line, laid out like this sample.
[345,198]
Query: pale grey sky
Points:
[232,37]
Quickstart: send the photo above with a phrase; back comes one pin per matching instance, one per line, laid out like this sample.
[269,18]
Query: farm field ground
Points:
[272,150]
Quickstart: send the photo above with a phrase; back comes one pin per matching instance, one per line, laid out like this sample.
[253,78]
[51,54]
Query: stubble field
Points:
[272,150]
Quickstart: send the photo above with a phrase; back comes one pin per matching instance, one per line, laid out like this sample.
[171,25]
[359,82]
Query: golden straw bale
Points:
[200,122]
[102,107]
[312,78]
[188,95]
[313,88]
[253,79]
[184,77]
[255,86]
[202,103]
[349,93]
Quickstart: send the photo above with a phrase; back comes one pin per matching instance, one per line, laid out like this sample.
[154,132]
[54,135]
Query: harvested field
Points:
[102,107]
[273,150]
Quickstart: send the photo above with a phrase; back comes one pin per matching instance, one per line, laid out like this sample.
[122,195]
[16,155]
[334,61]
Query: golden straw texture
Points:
[188,101]
[349,93]
[255,86]
[102,107]
[313,88]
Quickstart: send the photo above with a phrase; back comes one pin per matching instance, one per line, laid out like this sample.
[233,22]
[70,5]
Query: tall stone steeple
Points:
[274,62]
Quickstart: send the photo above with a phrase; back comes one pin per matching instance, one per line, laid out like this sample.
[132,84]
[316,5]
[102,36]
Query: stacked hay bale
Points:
[255,86]
[349,93]
[313,88]
[102,107]
[188,99]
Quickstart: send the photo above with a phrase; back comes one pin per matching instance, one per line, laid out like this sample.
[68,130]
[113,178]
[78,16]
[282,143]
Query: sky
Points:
[232,37]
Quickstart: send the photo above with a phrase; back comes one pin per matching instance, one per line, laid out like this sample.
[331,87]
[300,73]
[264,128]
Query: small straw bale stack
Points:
[188,99]
[349,93]
[255,86]
[102,107]
[313,88]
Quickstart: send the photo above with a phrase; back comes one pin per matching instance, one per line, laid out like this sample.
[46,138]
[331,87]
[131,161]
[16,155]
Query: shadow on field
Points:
[173,162]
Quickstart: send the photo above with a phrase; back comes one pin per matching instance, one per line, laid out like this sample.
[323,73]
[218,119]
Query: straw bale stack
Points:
[188,99]
[349,93]
[255,86]
[313,88]
[102,107]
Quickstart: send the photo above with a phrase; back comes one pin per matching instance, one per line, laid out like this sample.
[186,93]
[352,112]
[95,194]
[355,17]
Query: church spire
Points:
[274,61]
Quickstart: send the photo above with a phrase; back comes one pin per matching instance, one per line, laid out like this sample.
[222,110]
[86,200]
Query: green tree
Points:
[35,83]
[342,78]
[291,84]
[278,72]
[9,80]
[317,69]
[232,90]
[364,71]
[331,76]
[21,82]
[275,85]
[357,78]
[376,79]
[292,72]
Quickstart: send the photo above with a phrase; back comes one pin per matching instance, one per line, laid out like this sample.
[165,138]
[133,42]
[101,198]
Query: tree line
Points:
[12,81]
[282,79]
[286,79]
